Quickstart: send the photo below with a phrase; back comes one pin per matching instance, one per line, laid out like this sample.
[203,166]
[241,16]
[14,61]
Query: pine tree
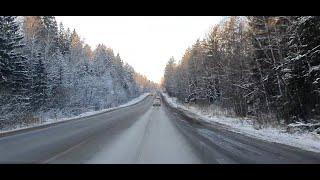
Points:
[9,43]
[63,40]
[14,72]
[39,85]
[50,36]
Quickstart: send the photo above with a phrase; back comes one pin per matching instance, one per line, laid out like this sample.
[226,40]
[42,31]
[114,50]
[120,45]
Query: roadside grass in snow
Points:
[305,140]
[42,120]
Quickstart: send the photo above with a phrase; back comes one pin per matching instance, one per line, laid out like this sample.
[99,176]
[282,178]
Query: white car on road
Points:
[156,102]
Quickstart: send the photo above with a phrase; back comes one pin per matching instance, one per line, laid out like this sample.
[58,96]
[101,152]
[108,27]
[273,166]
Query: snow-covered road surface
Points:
[143,134]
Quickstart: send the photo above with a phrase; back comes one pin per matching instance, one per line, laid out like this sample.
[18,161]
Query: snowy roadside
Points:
[306,141]
[86,114]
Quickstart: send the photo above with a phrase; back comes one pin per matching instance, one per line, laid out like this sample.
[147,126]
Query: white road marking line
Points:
[64,152]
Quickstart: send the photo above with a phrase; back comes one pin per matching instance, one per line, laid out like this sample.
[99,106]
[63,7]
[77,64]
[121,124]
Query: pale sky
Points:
[145,42]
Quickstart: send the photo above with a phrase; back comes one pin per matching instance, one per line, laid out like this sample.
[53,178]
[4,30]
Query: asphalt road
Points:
[143,134]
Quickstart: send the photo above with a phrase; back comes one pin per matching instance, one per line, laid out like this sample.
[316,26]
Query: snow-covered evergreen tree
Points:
[14,73]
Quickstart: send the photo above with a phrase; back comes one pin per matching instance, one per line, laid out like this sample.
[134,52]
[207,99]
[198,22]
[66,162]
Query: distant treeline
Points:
[263,66]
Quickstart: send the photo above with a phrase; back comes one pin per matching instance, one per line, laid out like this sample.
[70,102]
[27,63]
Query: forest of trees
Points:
[266,67]
[47,69]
